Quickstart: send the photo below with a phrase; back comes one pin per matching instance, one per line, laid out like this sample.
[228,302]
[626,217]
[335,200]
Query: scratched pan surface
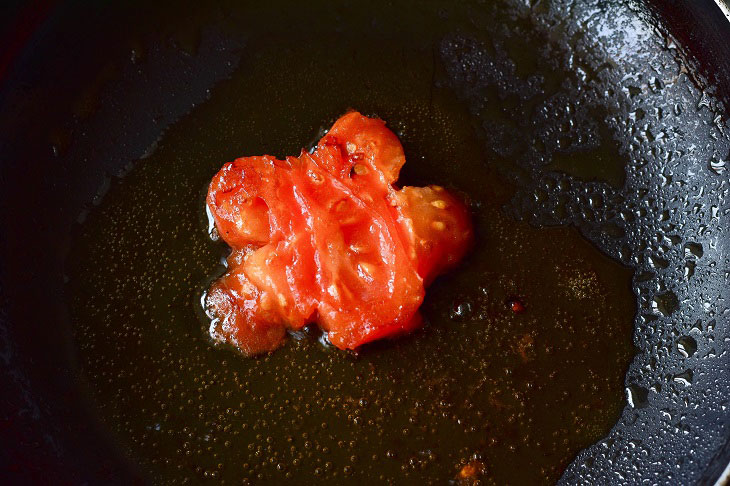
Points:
[592,147]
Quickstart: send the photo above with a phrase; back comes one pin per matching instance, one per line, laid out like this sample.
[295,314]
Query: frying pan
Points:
[86,91]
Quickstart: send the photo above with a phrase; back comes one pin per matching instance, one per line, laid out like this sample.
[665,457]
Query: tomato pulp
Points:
[327,237]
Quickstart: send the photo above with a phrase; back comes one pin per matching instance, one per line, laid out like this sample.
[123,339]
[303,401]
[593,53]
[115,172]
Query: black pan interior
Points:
[77,111]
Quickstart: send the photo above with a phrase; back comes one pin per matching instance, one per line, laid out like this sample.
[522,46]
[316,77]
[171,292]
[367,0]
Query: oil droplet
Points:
[692,248]
[460,310]
[666,303]
[685,378]
[658,262]
[637,396]
[717,166]
[687,346]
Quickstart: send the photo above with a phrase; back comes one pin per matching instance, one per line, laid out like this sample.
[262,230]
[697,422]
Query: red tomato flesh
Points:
[326,237]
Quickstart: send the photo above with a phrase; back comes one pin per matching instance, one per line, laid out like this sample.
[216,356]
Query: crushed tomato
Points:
[326,237]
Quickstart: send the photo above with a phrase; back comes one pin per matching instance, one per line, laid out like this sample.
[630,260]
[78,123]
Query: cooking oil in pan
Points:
[520,363]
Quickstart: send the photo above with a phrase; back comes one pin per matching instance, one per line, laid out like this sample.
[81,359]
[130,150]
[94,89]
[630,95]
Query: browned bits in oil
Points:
[470,472]
[516,305]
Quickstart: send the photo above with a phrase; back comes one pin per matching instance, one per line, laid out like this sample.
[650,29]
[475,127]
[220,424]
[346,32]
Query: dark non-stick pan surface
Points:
[588,137]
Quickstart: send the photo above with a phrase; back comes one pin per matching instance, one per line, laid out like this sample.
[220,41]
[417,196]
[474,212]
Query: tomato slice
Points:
[368,141]
[436,225]
[326,238]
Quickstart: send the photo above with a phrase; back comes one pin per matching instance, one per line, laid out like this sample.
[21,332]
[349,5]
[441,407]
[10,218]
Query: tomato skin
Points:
[327,238]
